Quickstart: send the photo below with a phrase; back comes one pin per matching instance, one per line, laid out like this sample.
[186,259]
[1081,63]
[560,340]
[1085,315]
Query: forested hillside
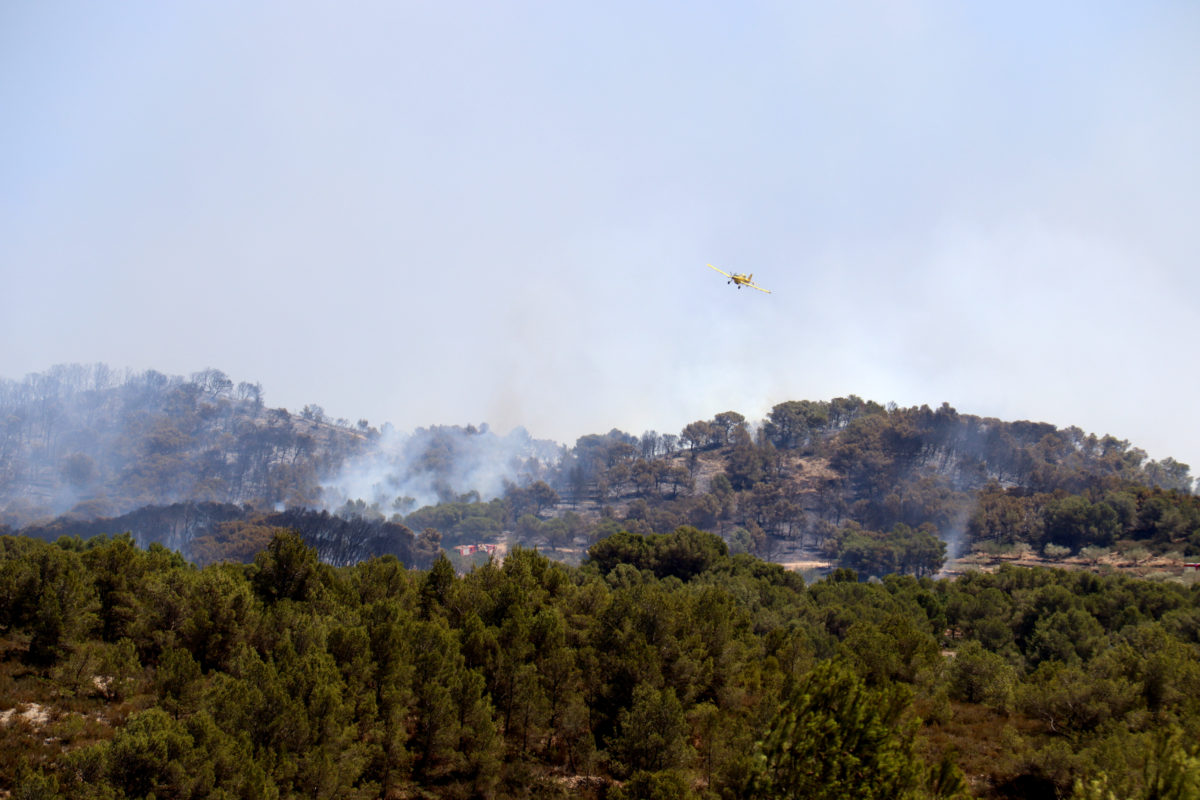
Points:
[95,442]
[240,602]
[201,466]
[884,489]
[662,668]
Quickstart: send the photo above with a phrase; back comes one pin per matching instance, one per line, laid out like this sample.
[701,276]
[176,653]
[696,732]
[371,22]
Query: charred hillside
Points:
[880,489]
[846,482]
[93,442]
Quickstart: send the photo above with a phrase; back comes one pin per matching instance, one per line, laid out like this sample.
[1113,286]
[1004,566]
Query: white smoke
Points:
[406,471]
[955,536]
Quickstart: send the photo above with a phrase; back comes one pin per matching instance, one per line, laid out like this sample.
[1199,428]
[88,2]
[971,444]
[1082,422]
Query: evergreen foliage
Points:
[221,647]
[836,737]
[662,667]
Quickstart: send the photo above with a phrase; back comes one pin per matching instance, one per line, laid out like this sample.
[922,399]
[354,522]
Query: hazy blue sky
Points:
[447,212]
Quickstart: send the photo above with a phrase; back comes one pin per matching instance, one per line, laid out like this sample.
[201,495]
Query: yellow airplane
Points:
[741,280]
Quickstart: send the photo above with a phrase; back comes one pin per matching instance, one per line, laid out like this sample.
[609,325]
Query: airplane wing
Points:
[723,272]
[756,286]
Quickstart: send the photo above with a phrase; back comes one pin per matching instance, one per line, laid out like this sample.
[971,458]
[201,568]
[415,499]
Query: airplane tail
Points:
[751,278]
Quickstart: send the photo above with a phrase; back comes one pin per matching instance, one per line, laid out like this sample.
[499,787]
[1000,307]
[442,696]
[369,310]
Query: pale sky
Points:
[450,213]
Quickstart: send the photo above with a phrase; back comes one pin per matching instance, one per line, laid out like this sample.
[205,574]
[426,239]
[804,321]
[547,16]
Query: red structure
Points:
[482,547]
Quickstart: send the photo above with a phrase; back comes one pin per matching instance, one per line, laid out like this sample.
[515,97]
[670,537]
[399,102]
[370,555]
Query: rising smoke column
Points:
[406,471]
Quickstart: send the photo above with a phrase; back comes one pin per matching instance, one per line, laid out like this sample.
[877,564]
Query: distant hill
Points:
[845,482]
[881,489]
[92,442]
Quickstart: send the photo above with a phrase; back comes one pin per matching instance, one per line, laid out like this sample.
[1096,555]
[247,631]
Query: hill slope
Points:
[847,482]
[93,442]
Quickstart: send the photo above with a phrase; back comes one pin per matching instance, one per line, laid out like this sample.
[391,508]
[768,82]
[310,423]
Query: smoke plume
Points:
[406,471]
